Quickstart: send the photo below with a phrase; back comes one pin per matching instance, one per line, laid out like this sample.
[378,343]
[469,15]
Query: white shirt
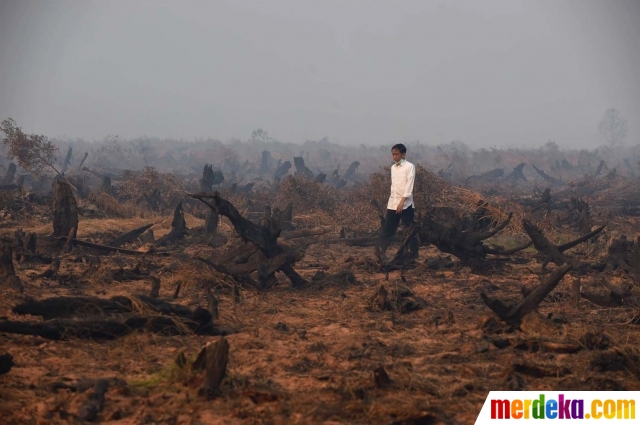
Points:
[402,178]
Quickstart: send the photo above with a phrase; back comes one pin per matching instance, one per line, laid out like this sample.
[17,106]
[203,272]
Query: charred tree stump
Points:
[93,405]
[155,287]
[351,171]
[65,210]
[154,199]
[301,168]
[212,304]
[6,363]
[544,202]
[32,243]
[7,272]
[514,314]
[105,185]
[206,182]
[517,174]
[287,217]
[555,253]
[213,360]
[464,237]
[547,177]
[20,182]
[211,222]
[9,176]
[623,254]
[264,256]
[264,163]
[178,227]
[282,170]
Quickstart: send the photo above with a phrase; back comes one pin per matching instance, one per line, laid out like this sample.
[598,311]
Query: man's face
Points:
[397,156]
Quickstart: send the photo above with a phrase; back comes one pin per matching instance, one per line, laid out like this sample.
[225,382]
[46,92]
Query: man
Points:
[400,205]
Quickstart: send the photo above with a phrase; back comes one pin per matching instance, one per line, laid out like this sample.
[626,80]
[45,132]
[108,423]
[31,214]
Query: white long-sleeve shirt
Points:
[402,179]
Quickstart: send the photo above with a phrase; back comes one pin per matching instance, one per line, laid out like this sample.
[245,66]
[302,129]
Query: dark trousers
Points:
[391,226]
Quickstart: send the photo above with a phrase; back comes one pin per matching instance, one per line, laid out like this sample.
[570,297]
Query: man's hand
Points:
[400,206]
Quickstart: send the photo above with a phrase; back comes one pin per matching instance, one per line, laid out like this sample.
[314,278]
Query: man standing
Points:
[400,205]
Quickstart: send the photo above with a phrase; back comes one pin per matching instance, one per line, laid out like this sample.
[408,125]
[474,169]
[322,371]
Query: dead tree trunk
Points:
[211,222]
[547,177]
[129,236]
[213,360]
[206,182]
[514,314]
[517,174]
[7,272]
[65,210]
[351,171]
[301,168]
[463,237]
[623,254]
[264,256]
[555,253]
[178,227]
[86,154]
[65,164]
[264,163]
[9,176]
[282,170]
[105,185]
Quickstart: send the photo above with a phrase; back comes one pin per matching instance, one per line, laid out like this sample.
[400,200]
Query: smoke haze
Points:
[491,73]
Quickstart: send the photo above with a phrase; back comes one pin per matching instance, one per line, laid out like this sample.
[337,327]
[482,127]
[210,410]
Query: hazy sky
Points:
[488,73]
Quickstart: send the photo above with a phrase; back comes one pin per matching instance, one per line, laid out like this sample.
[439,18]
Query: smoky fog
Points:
[493,74]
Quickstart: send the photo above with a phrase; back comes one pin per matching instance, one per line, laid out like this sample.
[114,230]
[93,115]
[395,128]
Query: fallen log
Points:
[514,314]
[108,328]
[554,253]
[129,236]
[547,177]
[6,187]
[114,249]
[67,307]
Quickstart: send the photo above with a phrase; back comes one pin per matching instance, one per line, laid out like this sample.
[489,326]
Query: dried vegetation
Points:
[272,305]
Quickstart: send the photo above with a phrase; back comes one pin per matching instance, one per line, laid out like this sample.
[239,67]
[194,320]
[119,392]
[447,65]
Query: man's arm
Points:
[408,189]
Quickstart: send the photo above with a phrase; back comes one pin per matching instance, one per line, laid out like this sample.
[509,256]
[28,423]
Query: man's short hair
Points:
[400,147]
